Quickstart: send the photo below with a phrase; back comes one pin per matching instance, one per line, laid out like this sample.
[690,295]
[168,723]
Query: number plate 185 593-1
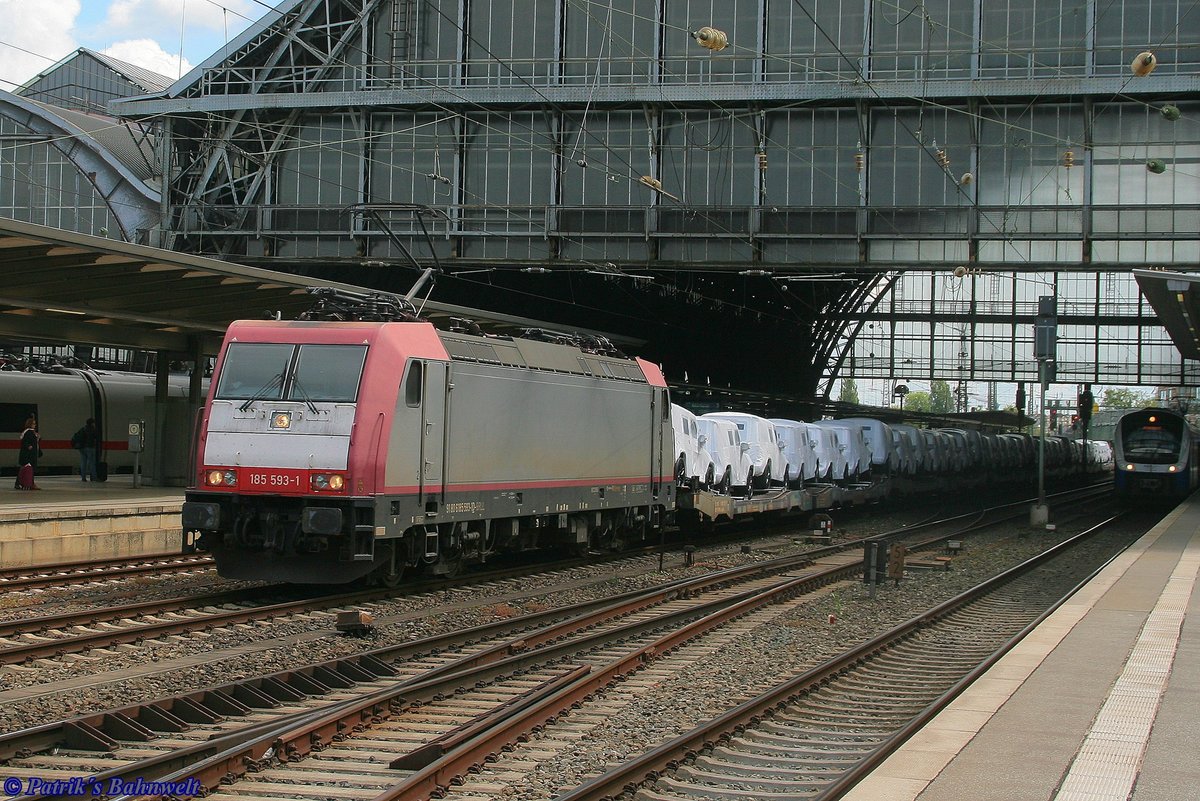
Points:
[275,479]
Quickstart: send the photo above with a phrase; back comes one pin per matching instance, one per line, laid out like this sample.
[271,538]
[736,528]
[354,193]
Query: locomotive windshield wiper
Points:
[312,407]
[262,393]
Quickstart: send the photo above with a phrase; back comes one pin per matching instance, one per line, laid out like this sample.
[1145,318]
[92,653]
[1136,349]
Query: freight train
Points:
[1157,455]
[358,442]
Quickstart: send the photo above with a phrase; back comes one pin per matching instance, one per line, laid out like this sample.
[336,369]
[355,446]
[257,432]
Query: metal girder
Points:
[835,338]
[259,139]
[455,96]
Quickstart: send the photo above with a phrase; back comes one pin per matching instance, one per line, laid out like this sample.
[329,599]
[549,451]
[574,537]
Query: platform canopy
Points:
[60,286]
[1176,300]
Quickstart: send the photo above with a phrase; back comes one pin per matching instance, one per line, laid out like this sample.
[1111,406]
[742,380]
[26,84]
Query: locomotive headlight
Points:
[1172,469]
[328,482]
[222,478]
[1128,467]
[281,420]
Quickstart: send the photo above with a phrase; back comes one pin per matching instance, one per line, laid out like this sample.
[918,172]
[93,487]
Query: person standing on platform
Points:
[86,440]
[27,455]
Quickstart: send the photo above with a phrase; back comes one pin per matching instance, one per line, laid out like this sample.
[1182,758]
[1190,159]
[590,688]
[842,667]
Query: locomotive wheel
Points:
[388,579]
[390,572]
[453,567]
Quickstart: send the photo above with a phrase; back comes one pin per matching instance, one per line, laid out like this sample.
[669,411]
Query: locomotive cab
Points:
[275,476]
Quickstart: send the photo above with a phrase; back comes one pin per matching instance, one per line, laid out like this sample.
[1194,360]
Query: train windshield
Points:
[306,373]
[328,372]
[1151,442]
[254,371]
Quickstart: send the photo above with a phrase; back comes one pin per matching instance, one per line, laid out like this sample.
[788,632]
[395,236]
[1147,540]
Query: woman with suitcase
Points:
[28,454]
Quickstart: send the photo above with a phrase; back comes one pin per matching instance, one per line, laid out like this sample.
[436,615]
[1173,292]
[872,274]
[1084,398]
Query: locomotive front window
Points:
[1152,443]
[254,371]
[274,372]
[327,373]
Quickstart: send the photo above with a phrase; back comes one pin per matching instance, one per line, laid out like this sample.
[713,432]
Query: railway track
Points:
[819,733]
[47,576]
[295,713]
[54,636]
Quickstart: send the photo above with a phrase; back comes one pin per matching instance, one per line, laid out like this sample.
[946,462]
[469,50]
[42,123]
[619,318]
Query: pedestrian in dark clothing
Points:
[27,455]
[86,440]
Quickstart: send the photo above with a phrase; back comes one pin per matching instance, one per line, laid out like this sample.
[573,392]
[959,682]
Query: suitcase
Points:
[102,471]
[25,477]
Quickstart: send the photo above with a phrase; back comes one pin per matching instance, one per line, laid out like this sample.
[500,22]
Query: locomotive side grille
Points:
[471,351]
[537,355]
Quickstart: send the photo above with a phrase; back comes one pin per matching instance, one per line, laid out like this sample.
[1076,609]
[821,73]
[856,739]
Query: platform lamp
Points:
[900,391]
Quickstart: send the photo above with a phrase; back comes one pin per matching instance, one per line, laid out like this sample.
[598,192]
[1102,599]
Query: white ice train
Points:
[62,400]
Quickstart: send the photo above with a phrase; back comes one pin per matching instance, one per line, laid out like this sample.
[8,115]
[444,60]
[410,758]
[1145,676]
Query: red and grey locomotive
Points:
[333,448]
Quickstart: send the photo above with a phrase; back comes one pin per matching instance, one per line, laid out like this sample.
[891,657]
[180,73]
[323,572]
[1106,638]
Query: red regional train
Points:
[332,449]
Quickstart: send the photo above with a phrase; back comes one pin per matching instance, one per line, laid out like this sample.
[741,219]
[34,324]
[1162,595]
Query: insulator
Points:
[1156,166]
[966,179]
[1069,159]
[1170,112]
[711,38]
[1143,64]
[960,271]
[762,161]
[859,161]
[942,158]
[651,181]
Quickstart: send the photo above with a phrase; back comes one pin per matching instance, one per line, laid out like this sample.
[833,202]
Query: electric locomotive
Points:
[368,442]
[1157,455]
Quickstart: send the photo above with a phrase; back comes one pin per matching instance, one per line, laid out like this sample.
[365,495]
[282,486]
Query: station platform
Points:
[69,520]
[1099,703]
